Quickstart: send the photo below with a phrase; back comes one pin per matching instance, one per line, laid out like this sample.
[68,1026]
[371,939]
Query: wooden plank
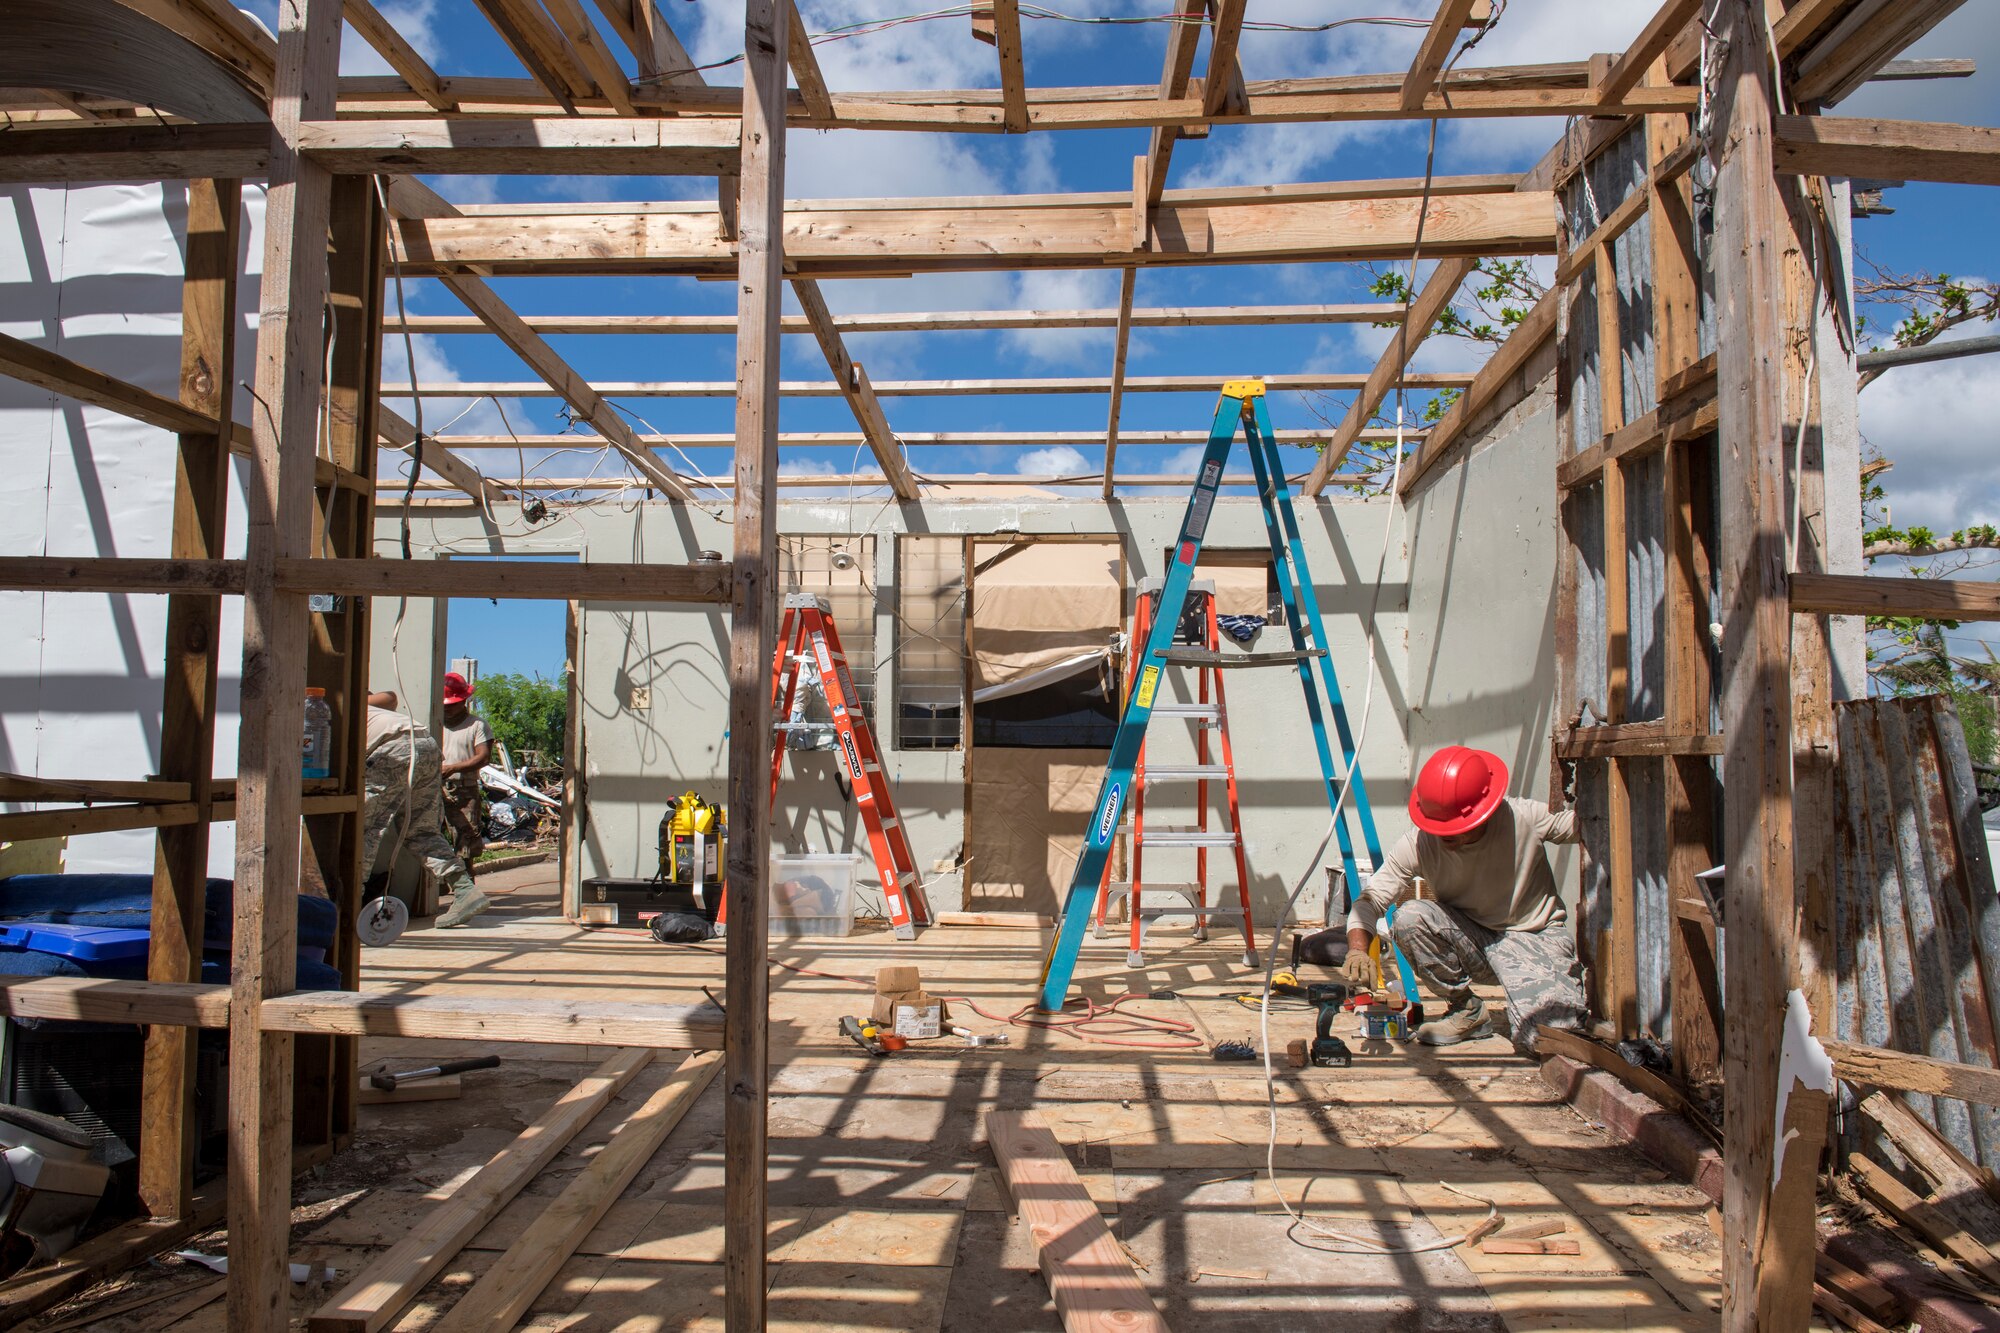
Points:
[411,198]
[188,704]
[1938,1228]
[1686,418]
[393,47]
[1904,150]
[125,1246]
[760,265]
[1648,46]
[24,825]
[597,62]
[450,1017]
[1423,313]
[1013,74]
[93,1000]
[805,65]
[127,151]
[1182,40]
[438,457]
[1859,43]
[932,321]
[1914,1073]
[1203,384]
[1857,1290]
[874,242]
[21,787]
[1536,328]
[1767,1268]
[290,353]
[503,1294]
[854,385]
[1223,84]
[512,579]
[1830,1302]
[1868,595]
[1432,53]
[58,374]
[1092,1281]
[1008,920]
[848,439]
[1121,345]
[576,146]
[376,1295]
[118,574]
[542,48]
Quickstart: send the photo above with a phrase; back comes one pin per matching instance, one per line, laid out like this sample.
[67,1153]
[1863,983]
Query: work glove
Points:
[1359,969]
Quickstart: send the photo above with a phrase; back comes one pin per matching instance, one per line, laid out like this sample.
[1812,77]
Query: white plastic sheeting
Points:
[94,273]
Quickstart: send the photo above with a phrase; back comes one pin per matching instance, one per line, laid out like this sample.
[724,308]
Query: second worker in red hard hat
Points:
[1492,914]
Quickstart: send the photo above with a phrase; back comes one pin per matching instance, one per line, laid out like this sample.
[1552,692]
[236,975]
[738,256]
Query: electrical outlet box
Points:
[640,699]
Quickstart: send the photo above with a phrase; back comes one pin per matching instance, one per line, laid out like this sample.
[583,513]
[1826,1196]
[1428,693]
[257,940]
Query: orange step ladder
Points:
[1209,712]
[808,642]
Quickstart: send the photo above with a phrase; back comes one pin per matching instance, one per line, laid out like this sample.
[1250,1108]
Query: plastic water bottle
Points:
[318,753]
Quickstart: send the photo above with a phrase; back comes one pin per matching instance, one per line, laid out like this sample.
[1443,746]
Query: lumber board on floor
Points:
[28,1294]
[502,1296]
[376,1295]
[1937,1226]
[1092,1281]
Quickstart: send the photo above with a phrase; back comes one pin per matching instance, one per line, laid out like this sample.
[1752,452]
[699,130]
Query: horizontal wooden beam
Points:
[449,1017]
[24,788]
[1903,150]
[953,439]
[1432,52]
[1689,413]
[1327,383]
[1921,599]
[1558,89]
[935,321]
[126,150]
[876,242]
[517,579]
[1536,328]
[866,481]
[1914,1073]
[1632,740]
[581,146]
[43,573]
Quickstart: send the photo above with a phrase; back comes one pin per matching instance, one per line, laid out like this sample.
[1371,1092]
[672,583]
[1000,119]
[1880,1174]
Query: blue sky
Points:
[1934,422]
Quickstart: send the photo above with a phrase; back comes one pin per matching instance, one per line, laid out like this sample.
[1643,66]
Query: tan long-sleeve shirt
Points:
[1503,881]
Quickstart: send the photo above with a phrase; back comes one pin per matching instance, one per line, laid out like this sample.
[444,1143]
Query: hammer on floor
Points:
[390,1082]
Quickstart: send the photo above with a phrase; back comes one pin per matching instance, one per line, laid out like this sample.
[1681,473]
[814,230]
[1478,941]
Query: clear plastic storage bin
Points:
[813,895]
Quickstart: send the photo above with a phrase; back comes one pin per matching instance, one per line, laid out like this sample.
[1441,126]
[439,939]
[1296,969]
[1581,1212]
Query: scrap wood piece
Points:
[503,1294]
[1256,1275]
[1862,1292]
[379,1292]
[1533,1231]
[1496,1245]
[1832,1305]
[1929,1221]
[1929,1150]
[1088,1274]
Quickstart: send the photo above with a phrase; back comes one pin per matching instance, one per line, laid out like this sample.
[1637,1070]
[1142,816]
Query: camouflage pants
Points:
[395,787]
[1538,968]
[461,815]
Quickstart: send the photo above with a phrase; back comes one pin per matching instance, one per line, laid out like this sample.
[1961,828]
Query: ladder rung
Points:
[1155,835]
[891,822]
[1203,657]
[1185,772]
[1194,712]
[1121,891]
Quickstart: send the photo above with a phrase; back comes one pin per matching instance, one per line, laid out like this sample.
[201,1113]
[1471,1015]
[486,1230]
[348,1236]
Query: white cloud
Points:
[1934,423]
[433,366]
[1082,351]
[1059,461]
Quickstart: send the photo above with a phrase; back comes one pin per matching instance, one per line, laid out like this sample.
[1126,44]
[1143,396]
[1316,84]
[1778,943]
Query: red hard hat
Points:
[456,691]
[1457,791]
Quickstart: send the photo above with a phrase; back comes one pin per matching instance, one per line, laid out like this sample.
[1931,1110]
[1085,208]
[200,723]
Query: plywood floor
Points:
[885,1212]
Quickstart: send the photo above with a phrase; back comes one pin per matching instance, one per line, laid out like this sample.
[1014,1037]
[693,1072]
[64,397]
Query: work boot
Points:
[465,905]
[1465,1022]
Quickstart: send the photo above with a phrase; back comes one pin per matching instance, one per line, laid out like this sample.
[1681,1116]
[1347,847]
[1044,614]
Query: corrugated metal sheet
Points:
[1593,800]
[1646,587]
[1916,921]
[1585,517]
[1586,415]
[1647,784]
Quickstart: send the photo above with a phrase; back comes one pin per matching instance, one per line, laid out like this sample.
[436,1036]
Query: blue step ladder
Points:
[1242,403]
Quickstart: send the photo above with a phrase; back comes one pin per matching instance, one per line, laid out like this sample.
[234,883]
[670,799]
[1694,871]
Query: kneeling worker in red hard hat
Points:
[1493,914]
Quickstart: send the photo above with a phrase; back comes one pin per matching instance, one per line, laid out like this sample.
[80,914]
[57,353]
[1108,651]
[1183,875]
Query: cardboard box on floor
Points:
[903,1007]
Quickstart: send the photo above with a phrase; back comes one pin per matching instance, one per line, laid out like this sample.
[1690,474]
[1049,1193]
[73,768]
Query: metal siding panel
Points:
[1646,587]
[1645,779]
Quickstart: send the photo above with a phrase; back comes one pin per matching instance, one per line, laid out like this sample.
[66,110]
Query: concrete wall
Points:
[638,759]
[1483,542]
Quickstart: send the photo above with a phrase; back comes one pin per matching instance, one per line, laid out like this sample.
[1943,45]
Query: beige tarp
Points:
[1039,605]
[1240,590]
[1030,809]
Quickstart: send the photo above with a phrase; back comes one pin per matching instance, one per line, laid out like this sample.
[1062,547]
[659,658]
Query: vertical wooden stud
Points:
[167,1128]
[285,418]
[576,804]
[752,640]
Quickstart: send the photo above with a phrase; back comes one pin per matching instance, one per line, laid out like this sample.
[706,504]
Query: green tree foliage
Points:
[526,713]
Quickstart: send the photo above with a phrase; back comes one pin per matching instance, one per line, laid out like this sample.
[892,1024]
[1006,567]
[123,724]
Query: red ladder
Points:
[1210,711]
[808,641]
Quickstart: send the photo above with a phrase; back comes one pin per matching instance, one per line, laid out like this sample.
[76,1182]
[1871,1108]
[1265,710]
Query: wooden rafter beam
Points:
[1562,89]
[392,46]
[439,458]
[1859,42]
[852,382]
[1121,344]
[1323,382]
[1921,599]
[1431,302]
[1222,87]
[954,439]
[1183,36]
[409,197]
[528,38]
[590,51]
[882,241]
[1915,150]
[1421,82]
[1651,43]
[659,52]
[805,65]
[650,146]
[933,321]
